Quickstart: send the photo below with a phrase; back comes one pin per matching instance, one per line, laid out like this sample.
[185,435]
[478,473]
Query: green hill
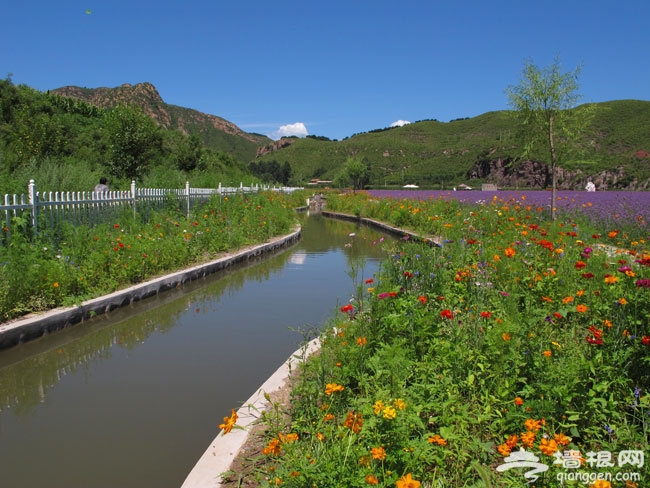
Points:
[215,132]
[433,154]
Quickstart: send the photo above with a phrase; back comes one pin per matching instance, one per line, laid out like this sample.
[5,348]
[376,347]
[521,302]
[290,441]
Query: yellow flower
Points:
[378,407]
[229,422]
[408,482]
[399,404]
[610,280]
[389,413]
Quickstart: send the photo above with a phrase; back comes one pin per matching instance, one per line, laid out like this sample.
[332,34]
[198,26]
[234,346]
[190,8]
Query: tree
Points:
[357,172]
[543,102]
[135,142]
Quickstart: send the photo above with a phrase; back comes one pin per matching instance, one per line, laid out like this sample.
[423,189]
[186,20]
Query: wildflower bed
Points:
[514,352]
[70,264]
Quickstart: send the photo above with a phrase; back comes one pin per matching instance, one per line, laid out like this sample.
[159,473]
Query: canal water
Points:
[133,398]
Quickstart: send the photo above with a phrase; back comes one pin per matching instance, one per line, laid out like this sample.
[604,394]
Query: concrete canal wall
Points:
[37,325]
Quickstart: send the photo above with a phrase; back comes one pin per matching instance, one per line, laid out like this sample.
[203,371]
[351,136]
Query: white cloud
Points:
[399,123]
[298,129]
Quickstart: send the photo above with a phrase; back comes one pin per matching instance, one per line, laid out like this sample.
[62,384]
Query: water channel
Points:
[133,398]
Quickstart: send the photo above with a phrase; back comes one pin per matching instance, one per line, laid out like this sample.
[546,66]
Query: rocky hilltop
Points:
[216,132]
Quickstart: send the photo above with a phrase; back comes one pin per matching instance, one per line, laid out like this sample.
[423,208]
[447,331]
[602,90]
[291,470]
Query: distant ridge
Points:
[216,132]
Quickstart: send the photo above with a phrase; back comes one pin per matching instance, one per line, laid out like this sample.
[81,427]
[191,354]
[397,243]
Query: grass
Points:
[516,333]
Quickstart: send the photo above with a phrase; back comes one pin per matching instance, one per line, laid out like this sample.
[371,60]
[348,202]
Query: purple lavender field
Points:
[608,207]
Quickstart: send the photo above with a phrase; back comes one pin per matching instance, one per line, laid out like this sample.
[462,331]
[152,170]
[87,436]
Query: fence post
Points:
[187,193]
[34,203]
[133,196]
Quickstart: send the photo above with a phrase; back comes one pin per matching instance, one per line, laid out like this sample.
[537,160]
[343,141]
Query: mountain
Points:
[482,149]
[216,132]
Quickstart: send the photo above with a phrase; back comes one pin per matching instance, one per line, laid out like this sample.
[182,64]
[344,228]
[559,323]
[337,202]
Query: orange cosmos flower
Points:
[612,234]
[372,479]
[407,482]
[505,336]
[422,299]
[547,353]
[602,484]
[437,439]
[504,449]
[519,401]
[361,341]
[610,280]
[581,308]
[354,422]
[561,439]
[273,447]
[548,446]
[378,453]
[229,422]
[509,252]
[528,438]
[533,425]
[333,387]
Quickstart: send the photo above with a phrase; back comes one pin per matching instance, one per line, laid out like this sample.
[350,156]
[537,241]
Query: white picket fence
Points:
[37,210]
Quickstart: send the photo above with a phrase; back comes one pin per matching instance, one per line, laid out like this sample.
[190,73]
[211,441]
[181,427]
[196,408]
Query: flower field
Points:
[513,353]
[72,264]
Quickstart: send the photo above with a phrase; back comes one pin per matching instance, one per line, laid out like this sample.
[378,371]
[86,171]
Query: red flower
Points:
[369,280]
[422,299]
[486,314]
[645,340]
[580,264]
[447,314]
[347,309]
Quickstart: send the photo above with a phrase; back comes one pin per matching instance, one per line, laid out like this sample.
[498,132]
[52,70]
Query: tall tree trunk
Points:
[553,162]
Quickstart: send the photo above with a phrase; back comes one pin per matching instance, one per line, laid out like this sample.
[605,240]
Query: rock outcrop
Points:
[537,175]
[274,146]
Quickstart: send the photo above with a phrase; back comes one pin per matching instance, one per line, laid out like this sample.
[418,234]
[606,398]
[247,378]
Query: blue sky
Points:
[332,68]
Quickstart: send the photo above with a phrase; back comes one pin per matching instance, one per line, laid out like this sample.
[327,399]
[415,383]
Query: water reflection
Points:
[145,387]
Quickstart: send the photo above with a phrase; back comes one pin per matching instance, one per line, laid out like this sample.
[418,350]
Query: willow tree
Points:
[544,102]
